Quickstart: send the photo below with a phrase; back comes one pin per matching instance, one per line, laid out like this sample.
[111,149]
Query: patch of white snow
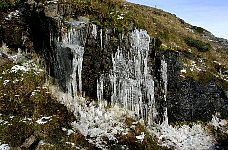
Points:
[5,82]
[183,71]
[4,146]
[17,68]
[44,120]
[69,131]
[12,14]
[140,137]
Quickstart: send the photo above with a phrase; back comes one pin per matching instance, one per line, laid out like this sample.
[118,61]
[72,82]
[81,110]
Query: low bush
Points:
[200,45]
[199,29]
[7,4]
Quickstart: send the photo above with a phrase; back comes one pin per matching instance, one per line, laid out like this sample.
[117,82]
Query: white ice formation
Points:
[72,40]
[132,84]
[183,137]
[133,89]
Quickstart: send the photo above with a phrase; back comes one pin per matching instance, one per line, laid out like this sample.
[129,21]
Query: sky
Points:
[212,15]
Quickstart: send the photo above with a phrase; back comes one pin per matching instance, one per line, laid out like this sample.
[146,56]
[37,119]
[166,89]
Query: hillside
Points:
[203,50]
[109,74]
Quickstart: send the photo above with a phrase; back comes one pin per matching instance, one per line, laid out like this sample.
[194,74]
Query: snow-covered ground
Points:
[4,146]
[95,121]
[183,137]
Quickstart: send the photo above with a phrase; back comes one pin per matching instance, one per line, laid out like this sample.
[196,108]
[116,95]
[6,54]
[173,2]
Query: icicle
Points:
[130,79]
[101,38]
[50,38]
[100,90]
[106,35]
[80,74]
[71,39]
[165,117]
[165,81]
[73,82]
[94,31]
[164,76]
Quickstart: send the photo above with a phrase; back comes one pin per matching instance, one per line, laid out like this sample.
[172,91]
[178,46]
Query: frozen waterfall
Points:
[132,85]
[73,40]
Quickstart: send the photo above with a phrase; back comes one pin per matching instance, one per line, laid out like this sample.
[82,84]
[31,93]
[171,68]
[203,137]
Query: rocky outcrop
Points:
[189,99]
[120,68]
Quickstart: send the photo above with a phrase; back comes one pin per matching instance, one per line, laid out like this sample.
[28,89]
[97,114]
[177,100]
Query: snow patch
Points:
[183,71]
[4,146]
[44,120]
[69,131]
[25,67]
[35,92]
[11,117]
[217,122]
[17,68]
[3,122]
[97,123]
[15,81]
[140,137]
[5,82]
[190,30]
[52,2]
[12,14]
[73,145]
[120,17]
[41,142]
[193,66]
[26,119]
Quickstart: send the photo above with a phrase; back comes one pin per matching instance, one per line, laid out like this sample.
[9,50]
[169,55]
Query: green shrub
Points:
[199,29]
[200,45]
[7,4]
[16,133]
[163,47]
[164,34]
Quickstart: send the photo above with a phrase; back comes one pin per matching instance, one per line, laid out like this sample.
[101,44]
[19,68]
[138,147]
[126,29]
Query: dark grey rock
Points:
[28,142]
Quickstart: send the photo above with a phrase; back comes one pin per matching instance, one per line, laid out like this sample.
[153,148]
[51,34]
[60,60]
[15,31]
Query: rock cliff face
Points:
[189,99]
[129,71]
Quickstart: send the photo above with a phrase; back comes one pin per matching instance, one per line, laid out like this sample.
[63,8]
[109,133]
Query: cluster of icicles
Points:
[133,88]
[132,84]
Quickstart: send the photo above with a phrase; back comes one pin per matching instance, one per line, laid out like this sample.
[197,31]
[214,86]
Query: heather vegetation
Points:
[200,45]
[7,4]
[27,109]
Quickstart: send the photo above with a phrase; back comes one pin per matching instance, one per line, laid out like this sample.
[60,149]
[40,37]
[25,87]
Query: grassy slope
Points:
[25,95]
